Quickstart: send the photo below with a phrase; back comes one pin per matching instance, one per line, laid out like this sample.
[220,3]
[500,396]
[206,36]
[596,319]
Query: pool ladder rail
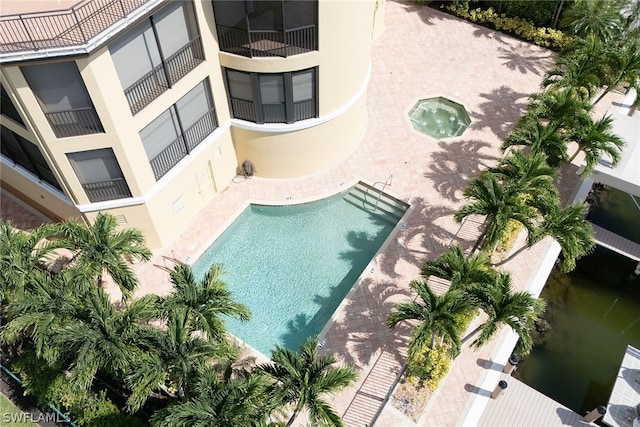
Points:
[384,186]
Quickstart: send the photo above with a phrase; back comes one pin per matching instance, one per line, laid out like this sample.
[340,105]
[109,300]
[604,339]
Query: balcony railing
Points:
[244,110]
[80,121]
[268,43]
[62,28]
[303,110]
[116,188]
[163,76]
[273,113]
[183,145]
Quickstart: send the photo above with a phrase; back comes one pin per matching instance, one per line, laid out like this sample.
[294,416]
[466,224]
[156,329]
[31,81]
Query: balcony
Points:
[183,145]
[56,29]
[268,43]
[80,121]
[165,75]
[107,190]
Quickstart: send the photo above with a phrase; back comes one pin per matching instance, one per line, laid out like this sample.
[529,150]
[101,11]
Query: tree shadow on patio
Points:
[501,110]
[452,168]
[360,330]
[526,58]
[489,33]
[427,14]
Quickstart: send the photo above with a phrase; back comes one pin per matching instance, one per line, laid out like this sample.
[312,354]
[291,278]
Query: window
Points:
[63,98]
[267,28]
[178,130]
[27,155]
[7,108]
[157,53]
[273,98]
[99,174]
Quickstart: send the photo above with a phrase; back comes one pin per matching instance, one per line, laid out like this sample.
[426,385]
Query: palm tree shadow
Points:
[526,59]
[498,36]
[449,175]
[501,110]
[422,237]
[428,15]
[360,330]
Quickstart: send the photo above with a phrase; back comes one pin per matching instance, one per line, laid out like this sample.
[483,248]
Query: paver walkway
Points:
[422,53]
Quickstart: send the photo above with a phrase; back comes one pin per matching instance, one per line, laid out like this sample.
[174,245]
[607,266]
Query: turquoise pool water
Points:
[293,265]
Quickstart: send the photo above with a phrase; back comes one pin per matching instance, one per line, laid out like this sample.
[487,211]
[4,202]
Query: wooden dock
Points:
[616,243]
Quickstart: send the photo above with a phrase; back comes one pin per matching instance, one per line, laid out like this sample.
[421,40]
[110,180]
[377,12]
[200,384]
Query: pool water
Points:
[293,265]
[594,312]
[439,118]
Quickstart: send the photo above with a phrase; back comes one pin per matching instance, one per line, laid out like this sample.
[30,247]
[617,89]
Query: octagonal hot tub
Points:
[439,117]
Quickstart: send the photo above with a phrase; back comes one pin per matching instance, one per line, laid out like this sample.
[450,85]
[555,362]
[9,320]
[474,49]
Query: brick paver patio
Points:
[422,53]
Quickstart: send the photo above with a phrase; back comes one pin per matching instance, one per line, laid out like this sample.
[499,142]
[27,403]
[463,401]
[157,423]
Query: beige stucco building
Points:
[147,109]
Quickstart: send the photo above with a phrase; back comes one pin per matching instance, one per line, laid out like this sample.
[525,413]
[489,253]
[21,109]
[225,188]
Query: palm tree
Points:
[20,254]
[623,66]
[530,173]
[100,338]
[461,270]
[205,300]
[499,203]
[518,310]
[101,248]
[176,354]
[571,230]
[540,138]
[577,72]
[219,402]
[563,106]
[48,303]
[596,139]
[302,378]
[602,18]
[439,317]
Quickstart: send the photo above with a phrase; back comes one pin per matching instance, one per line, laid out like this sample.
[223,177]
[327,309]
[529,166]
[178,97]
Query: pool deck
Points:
[422,53]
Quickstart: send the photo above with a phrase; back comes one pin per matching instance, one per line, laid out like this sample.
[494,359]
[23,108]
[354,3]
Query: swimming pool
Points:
[293,265]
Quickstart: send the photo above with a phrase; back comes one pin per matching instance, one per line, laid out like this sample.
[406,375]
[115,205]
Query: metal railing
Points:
[79,121]
[164,161]
[116,188]
[62,28]
[200,130]
[168,158]
[274,113]
[303,110]
[268,43]
[244,110]
[163,76]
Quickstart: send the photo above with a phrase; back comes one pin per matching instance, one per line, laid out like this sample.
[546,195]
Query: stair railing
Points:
[387,182]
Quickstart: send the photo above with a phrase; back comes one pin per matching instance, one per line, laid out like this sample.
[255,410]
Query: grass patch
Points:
[11,415]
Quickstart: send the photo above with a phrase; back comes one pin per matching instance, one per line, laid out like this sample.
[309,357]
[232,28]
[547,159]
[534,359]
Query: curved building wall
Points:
[342,61]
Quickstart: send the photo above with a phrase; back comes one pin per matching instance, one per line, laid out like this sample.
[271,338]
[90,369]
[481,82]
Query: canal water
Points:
[593,313]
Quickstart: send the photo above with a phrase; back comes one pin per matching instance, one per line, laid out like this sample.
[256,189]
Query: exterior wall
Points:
[43,197]
[311,146]
[162,209]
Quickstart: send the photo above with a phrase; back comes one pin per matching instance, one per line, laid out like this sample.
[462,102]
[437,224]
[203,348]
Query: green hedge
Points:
[50,386]
[542,36]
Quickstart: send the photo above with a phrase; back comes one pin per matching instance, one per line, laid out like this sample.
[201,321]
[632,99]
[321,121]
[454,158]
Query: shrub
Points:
[49,385]
[510,235]
[430,365]
[522,28]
